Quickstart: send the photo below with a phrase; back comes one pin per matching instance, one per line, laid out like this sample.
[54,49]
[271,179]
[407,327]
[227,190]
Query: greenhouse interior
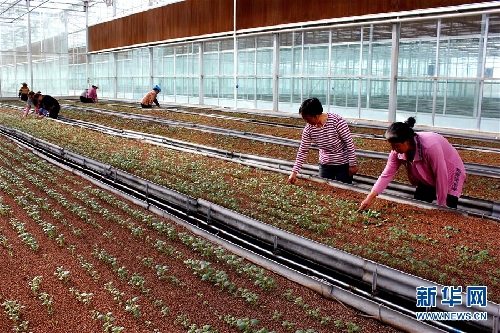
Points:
[441,65]
[229,166]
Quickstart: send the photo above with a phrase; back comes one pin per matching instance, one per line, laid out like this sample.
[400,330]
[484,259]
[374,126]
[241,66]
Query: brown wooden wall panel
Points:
[202,17]
[420,4]
[178,20]
[261,13]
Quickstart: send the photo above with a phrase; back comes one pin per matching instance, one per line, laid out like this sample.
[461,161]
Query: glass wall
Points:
[43,43]
[186,74]
[255,72]
[218,72]
[164,69]
[444,70]
[101,74]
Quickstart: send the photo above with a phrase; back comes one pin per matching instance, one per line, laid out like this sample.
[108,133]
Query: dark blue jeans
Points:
[428,194]
[335,172]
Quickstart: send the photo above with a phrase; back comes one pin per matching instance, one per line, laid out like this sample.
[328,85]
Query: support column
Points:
[30,59]
[151,83]
[201,90]
[329,82]
[254,75]
[276,70]
[115,75]
[393,84]
[482,64]
[302,66]
[87,56]
[369,70]
[235,58]
[360,73]
[436,71]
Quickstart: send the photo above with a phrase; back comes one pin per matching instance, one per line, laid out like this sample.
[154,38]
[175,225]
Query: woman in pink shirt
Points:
[330,132]
[433,165]
[92,94]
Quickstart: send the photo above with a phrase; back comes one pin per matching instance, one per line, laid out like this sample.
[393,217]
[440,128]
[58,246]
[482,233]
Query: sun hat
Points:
[95,86]
[157,87]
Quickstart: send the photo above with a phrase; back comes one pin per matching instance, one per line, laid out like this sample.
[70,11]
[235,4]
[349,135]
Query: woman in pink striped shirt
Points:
[433,165]
[330,132]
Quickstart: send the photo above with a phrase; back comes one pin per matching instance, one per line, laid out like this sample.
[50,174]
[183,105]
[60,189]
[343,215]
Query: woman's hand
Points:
[292,178]
[368,201]
[353,170]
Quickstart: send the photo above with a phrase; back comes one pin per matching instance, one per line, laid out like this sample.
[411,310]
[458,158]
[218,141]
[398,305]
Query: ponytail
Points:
[401,131]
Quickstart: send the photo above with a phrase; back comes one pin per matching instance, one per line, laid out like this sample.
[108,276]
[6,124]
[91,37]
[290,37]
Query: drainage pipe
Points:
[365,270]
[334,293]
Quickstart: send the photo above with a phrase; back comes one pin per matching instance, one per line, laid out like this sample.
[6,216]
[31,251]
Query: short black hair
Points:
[311,107]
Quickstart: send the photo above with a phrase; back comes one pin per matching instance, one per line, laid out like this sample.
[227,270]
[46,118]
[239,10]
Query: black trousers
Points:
[336,172]
[86,100]
[428,194]
[53,111]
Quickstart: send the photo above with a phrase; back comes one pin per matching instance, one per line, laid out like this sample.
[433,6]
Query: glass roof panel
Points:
[50,18]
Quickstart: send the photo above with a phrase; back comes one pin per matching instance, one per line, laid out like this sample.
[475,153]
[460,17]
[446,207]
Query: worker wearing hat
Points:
[150,98]
[23,92]
[92,94]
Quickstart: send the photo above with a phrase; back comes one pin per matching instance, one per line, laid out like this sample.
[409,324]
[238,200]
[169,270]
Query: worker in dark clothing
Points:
[23,92]
[49,106]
